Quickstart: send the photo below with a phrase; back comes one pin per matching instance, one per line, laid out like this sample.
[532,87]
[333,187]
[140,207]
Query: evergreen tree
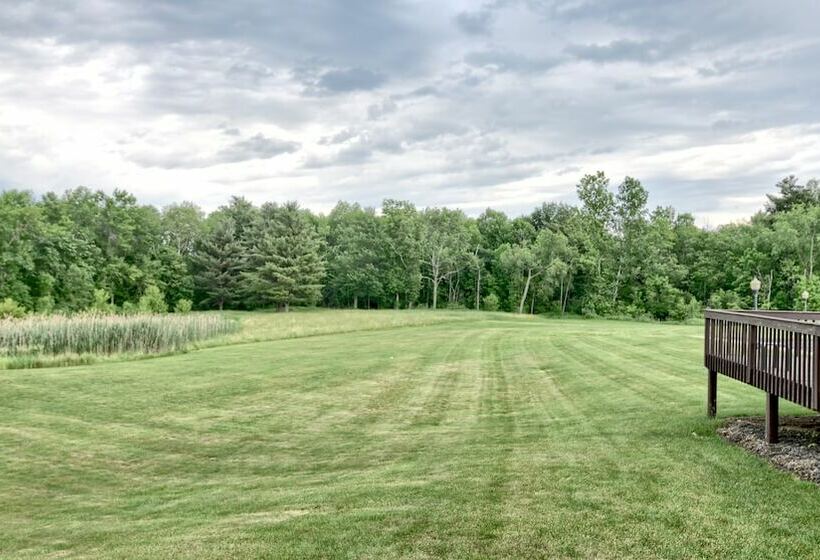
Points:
[217,261]
[285,264]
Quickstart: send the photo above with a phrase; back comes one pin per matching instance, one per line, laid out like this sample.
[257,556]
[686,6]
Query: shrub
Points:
[102,301]
[45,305]
[491,302]
[588,311]
[725,299]
[92,333]
[130,308]
[153,301]
[183,306]
[10,309]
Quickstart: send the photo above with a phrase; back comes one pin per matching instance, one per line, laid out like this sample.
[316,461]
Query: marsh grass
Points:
[38,341]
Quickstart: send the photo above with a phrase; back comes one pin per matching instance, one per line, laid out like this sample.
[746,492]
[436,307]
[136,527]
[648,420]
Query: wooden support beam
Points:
[772,418]
[711,394]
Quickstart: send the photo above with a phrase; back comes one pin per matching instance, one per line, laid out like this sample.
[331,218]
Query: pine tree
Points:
[217,262]
[286,266]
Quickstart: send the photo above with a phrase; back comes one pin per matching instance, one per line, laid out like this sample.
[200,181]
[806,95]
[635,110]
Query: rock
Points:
[797,452]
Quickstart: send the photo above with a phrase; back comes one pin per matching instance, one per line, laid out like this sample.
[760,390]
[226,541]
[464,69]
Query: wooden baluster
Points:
[751,353]
[816,374]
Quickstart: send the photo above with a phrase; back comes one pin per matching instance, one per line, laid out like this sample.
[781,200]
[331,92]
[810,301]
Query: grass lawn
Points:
[461,436]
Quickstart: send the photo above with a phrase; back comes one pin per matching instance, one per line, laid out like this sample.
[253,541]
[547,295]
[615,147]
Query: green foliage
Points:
[183,306]
[153,301]
[130,308]
[791,195]
[611,255]
[356,258]
[490,302]
[10,309]
[101,302]
[285,264]
[725,299]
[217,264]
[44,305]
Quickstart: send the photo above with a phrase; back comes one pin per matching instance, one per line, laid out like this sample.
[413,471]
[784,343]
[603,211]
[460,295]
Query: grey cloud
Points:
[382,109]
[255,147]
[626,50]
[507,61]
[567,170]
[354,154]
[342,136]
[372,89]
[422,92]
[475,23]
[351,79]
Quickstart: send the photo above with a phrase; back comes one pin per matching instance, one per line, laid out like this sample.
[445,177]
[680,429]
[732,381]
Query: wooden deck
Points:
[775,351]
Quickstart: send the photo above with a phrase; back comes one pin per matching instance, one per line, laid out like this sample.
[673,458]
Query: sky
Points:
[505,104]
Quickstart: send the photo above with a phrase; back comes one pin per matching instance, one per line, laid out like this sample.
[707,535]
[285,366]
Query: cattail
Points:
[108,334]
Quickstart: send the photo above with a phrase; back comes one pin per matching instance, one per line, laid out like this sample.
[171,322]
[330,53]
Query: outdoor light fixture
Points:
[755,286]
[805,297]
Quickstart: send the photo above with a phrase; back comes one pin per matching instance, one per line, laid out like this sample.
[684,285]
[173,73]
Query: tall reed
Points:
[108,334]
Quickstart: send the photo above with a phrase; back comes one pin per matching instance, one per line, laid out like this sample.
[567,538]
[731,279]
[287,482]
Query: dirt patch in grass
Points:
[798,451]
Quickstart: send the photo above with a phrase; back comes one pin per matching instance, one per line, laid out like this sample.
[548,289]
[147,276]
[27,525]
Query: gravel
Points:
[798,451]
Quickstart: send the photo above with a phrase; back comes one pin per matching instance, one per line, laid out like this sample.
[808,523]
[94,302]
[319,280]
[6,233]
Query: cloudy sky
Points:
[468,104]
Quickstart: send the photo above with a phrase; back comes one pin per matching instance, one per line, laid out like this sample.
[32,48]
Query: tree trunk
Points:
[617,282]
[478,290]
[287,306]
[561,295]
[532,304]
[769,291]
[565,297]
[435,293]
[526,289]
[355,302]
[397,300]
[221,303]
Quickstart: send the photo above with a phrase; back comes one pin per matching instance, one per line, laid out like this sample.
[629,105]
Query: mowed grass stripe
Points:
[489,438]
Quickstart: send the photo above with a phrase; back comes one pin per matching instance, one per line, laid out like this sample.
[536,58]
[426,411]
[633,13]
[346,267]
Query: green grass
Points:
[485,437]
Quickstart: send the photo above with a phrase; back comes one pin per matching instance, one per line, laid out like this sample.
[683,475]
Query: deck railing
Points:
[776,351]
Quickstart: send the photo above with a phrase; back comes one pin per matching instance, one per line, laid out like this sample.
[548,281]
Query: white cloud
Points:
[504,104]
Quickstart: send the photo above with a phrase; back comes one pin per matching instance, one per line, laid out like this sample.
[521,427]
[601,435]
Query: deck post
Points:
[772,418]
[711,394]
[814,371]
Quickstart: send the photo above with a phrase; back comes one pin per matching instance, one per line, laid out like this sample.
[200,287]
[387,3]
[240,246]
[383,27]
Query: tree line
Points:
[609,255]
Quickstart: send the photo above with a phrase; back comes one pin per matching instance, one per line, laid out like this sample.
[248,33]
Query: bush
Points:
[491,302]
[102,301]
[588,311]
[45,305]
[10,309]
[153,301]
[183,306]
[130,308]
[725,299]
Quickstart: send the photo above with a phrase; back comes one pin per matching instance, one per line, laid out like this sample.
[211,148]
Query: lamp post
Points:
[755,286]
[805,297]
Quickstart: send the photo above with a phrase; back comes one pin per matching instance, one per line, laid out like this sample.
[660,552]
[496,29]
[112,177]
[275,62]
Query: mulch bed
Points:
[798,451]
